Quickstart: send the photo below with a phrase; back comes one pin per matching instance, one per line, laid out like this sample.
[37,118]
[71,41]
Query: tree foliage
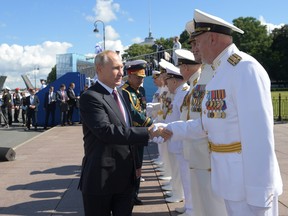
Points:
[279,54]
[255,41]
[52,75]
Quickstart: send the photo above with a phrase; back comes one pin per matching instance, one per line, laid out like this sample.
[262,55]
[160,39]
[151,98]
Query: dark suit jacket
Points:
[35,102]
[46,101]
[109,164]
[72,97]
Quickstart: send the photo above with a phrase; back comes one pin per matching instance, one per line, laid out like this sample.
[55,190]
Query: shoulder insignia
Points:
[195,81]
[185,88]
[234,59]
[125,86]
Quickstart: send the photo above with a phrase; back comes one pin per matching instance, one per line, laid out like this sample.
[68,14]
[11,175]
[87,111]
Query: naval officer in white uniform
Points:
[237,115]
[205,202]
[180,168]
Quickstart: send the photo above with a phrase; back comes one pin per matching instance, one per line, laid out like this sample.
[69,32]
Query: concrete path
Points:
[44,177]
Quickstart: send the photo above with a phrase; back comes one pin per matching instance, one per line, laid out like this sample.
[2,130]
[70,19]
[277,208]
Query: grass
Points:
[275,94]
[284,104]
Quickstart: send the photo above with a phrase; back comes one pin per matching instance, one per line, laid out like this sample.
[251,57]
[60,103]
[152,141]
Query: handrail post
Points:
[279,108]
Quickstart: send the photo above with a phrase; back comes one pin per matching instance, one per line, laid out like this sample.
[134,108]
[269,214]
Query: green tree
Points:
[52,75]
[184,40]
[255,41]
[137,50]
[279,54]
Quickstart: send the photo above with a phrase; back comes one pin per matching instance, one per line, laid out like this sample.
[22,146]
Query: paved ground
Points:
[44,177]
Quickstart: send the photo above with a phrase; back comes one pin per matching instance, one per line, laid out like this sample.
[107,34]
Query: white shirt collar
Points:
[106,87]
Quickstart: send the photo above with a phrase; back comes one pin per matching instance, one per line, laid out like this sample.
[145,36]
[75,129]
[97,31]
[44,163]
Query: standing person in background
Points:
[176,45]
[134,95]
[16,103]
[50,106]
[62,98]
[32,109]
[109,174]
[23,106]
[72,102]
[7,105]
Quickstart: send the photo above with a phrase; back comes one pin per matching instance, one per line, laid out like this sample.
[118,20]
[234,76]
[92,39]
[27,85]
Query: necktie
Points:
[116,98]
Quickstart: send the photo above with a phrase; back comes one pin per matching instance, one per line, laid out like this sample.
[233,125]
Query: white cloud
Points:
[105,10]
[270,26]
[16,60]
[137,40]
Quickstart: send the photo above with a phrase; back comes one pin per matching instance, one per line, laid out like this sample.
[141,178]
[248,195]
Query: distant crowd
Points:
[21,107]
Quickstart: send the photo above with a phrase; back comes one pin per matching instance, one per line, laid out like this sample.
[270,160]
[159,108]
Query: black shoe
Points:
[137,201]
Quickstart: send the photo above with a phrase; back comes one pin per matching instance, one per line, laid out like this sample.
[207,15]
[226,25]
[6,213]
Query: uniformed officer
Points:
[196,151]
[237,115]
[134,95]
[165,101]
[190,70]
[178,87]
[154,107]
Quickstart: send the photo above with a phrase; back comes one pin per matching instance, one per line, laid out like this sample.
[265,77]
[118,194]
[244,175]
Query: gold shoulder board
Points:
[125,86]
[234,59]
[184,88]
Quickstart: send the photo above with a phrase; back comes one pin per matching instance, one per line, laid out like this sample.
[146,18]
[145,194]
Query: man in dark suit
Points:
[108,170]
[32,109]
[50,106]
[62,98]
[72,102]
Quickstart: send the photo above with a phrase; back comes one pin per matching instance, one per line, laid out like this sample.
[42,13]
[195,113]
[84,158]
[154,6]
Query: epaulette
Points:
[195,81]
[185,88]
[125,86]
[234,59]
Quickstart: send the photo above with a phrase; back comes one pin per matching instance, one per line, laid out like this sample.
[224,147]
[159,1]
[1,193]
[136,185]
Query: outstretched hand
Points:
[159,132]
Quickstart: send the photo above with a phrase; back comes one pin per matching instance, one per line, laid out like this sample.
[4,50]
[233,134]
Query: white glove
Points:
[158,140]
[157,125]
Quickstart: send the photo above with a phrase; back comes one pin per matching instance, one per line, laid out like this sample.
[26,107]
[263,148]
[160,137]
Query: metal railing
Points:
[280,108]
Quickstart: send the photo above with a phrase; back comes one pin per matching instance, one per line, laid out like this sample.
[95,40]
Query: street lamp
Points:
[96,30]
[35,74]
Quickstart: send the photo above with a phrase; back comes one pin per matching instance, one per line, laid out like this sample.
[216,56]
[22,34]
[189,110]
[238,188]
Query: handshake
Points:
[159,133]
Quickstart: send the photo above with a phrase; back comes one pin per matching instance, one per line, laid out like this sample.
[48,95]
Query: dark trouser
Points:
[48,113]
[23,113]
[70,114]
[63,117]
[7,112]
[104,205]
[140,151]
[16,114]
[31,114]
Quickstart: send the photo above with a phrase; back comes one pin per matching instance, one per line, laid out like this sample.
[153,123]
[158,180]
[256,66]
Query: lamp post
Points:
[96,30]
[35,74]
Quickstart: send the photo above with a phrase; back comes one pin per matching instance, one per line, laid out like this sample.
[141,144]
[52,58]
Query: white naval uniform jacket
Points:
[164,96]
[253,174]
[174,115]
[196,150]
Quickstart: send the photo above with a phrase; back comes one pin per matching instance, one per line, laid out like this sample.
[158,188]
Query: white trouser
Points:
[241,208]
[205,202]
[177,188]
[186,182]
[165,158]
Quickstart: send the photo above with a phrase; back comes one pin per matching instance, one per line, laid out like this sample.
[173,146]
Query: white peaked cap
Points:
[163,63]
[204,22]
[185,57]
[173,71]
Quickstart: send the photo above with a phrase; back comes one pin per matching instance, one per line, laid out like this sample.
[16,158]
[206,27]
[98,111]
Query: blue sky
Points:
[32,32]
